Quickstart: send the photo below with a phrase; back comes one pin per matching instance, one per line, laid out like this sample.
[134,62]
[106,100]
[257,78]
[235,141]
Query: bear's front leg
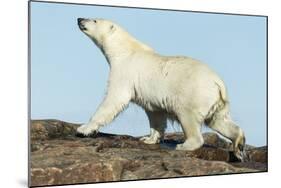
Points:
[113,104]
[158,124]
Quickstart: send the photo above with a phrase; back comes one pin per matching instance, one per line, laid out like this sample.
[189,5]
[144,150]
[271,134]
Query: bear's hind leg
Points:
[158,123]
[226,127]
[191,126]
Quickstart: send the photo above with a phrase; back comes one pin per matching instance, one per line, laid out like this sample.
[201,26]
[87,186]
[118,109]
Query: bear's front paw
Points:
[87,130]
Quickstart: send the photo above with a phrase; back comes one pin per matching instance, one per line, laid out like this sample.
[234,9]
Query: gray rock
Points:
[59,156]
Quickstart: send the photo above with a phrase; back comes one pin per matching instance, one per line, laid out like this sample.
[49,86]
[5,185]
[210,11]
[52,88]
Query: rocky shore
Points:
[59,156]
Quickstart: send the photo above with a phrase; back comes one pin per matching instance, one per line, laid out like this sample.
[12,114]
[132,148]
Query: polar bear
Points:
[177,88]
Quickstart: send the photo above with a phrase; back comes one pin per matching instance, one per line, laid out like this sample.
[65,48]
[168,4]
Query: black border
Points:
[29,95]
[145,8]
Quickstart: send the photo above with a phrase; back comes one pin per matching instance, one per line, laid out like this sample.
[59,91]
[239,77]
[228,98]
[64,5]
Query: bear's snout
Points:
[81,23]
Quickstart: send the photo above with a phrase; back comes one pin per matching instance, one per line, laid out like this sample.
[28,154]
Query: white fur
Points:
[179,88]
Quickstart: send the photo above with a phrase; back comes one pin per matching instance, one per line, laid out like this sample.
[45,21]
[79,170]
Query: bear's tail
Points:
[221,108]
[222,91]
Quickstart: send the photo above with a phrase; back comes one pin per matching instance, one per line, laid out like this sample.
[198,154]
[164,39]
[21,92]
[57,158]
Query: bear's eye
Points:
[95,21]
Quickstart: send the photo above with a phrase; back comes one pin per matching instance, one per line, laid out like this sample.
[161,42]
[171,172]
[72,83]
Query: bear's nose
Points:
[80,20]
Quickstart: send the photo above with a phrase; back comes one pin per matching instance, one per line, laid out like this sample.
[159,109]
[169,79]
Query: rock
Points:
[47,129]
[59,156]
[258,154]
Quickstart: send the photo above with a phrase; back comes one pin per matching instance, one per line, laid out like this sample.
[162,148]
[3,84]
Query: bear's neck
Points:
[120,47]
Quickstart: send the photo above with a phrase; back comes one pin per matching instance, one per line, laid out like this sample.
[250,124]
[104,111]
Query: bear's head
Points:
[97,29]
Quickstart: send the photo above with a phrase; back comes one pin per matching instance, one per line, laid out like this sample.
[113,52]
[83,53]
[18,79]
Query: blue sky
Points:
[69,73]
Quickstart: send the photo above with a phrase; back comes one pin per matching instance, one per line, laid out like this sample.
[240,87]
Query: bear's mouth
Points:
[82,27]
